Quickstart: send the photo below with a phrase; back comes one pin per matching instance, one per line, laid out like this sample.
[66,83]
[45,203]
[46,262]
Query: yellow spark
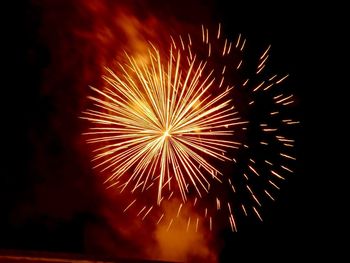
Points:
[224,49]
[256,200]
[277,96]
[222,80]
[160,219]
[262,63]
[207,36]
[195,201]
[284,139]
[182,43]
[232,186]
[273,77]
[282,79]
[244,210]
[260,69]
[203,34]
[139,213]
[218,204]
[287,156]
[238,66]
[170,223]
[245,82]
[245,176]
[188,223]
[265,53]
[179,210]
[269,86]
[219,31]
[251,168]
[190,52]
[239,38]
[293,122]
[272,183]
[171,194]
[269,195]
[257,87]
[148,211]
[269,129]
[229,48]
[232,223]
[287,103]
[284,99]
[266,161]
[242,47]
[129,206]
[257,213]
[286,168]
[189,39]
[277,175]
[229,207]
[173,42]
[223,70]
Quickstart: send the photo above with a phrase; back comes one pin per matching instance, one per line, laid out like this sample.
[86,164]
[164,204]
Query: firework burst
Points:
[161,122]
[168,119]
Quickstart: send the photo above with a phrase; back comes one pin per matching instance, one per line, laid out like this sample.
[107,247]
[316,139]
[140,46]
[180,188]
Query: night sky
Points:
[48,195]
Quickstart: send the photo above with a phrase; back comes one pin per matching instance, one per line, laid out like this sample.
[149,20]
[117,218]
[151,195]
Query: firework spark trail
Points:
[167,118]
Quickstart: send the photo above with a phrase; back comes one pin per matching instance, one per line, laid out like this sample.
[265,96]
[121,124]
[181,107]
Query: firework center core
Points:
[166,134]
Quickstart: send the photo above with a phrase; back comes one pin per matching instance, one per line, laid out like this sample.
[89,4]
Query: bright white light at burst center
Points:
[166,134]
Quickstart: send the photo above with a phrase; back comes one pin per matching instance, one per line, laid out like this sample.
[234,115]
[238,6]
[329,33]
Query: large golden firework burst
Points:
[168,119]
[161,122]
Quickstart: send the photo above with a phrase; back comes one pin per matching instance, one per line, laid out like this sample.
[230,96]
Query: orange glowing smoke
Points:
[181,239]
[92,35]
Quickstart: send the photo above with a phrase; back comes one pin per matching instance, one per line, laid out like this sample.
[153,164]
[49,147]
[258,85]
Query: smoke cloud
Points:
[84,37]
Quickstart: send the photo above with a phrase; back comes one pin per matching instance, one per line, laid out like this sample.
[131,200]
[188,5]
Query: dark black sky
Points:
[297,227]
